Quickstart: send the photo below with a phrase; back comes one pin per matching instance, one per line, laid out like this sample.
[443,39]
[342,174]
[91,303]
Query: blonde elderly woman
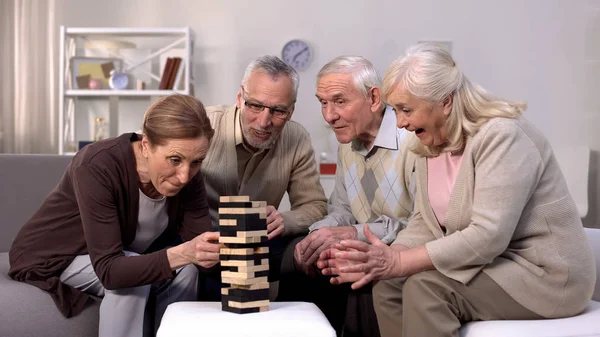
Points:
[495,233]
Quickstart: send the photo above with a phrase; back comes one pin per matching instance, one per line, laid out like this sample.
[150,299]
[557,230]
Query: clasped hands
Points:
[307,251]
[360,262]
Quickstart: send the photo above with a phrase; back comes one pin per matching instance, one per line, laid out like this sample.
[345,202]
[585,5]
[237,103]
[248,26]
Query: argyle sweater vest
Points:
[379,184]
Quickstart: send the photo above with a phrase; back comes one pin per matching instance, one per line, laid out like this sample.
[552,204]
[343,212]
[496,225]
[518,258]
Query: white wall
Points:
[542,51]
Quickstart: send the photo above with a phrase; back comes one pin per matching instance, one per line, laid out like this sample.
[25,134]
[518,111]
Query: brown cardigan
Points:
[94,210]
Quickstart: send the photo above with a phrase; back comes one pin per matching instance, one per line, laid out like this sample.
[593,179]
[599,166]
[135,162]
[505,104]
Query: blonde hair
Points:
[176,117]
[428,72]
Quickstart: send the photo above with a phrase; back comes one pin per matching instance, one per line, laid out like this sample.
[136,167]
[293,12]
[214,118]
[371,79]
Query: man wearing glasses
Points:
[257,151]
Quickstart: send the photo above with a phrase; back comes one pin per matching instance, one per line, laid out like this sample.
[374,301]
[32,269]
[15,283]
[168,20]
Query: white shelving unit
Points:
[130,93]
[71,45]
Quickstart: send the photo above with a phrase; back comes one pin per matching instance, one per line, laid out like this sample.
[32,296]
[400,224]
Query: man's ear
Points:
[291,111]
[375,99]
[239,99]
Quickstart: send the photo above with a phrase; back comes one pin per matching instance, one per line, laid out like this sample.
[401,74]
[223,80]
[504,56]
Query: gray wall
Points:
[546,52]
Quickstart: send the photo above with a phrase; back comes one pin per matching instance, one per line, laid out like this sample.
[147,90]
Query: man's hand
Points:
[308,250]
[275,225]
[359,262]
[306,268]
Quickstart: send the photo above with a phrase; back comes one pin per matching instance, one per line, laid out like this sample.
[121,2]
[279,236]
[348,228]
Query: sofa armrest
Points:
[25,181]
[593,235]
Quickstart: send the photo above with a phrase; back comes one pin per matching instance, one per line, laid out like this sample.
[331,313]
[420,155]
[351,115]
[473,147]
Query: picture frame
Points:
[85,68]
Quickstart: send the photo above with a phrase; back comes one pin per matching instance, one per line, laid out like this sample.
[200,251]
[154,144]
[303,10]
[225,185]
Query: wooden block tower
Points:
[245,260]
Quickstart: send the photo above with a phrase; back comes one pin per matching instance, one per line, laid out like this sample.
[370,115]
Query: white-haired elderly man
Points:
[373,180]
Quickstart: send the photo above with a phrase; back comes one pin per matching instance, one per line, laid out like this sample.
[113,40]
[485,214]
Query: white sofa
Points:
[586,324]
[574,162]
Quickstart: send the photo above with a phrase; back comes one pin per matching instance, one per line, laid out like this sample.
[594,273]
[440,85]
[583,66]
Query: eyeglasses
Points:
[278,113]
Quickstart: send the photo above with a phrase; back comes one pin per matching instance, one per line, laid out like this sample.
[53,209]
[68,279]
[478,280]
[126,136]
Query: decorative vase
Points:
[95,83]
[118,81]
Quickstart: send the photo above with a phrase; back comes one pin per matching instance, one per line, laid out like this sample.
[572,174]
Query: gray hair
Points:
[363,72]
[428,72]
[273,66]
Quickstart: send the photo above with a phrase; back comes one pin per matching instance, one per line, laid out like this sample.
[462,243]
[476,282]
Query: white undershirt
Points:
[153,219]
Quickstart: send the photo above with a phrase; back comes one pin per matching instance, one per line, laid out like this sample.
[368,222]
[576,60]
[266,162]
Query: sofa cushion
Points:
[28,311]
[585,324]
[25,181]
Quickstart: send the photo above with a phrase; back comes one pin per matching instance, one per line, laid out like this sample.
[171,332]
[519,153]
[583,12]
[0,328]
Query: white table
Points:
[284,319]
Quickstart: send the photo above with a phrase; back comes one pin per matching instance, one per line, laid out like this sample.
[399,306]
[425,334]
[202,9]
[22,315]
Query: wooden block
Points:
[257,258]
[257,286]
[226,299]
[245,204]
[249,204]
[227,222]
[243,282]
[232,231]
[230,226]
[243,295]
[254,295]
[253,304]
[239,311]
[247,218]
[246,269]
[244,251]
[252,210]
[235,198]
[242,240]
[243,311]
[244,263]
[244,275]
[242,222]
[262,243]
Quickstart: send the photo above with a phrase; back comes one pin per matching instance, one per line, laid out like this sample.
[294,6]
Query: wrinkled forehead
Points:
[270,88]
[336,85]
[190,148]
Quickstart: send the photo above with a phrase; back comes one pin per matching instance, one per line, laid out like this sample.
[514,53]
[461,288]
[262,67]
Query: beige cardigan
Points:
[512,217]
[288,166]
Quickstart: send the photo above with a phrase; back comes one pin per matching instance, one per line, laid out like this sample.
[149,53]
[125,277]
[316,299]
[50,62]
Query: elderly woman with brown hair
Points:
[495,233]
[113,226]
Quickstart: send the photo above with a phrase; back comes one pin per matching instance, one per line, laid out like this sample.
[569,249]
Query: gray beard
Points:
[260,145]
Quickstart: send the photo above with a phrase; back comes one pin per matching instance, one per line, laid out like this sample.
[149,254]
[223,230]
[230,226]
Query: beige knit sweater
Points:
[512,217]
[288,166]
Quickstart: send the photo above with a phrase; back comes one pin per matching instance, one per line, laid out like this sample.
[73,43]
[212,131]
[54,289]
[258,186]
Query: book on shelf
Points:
[179,84]
[174,52]
[172,72]
[164,80]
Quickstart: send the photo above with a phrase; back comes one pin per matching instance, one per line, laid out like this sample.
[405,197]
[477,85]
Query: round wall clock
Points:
[297,54]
